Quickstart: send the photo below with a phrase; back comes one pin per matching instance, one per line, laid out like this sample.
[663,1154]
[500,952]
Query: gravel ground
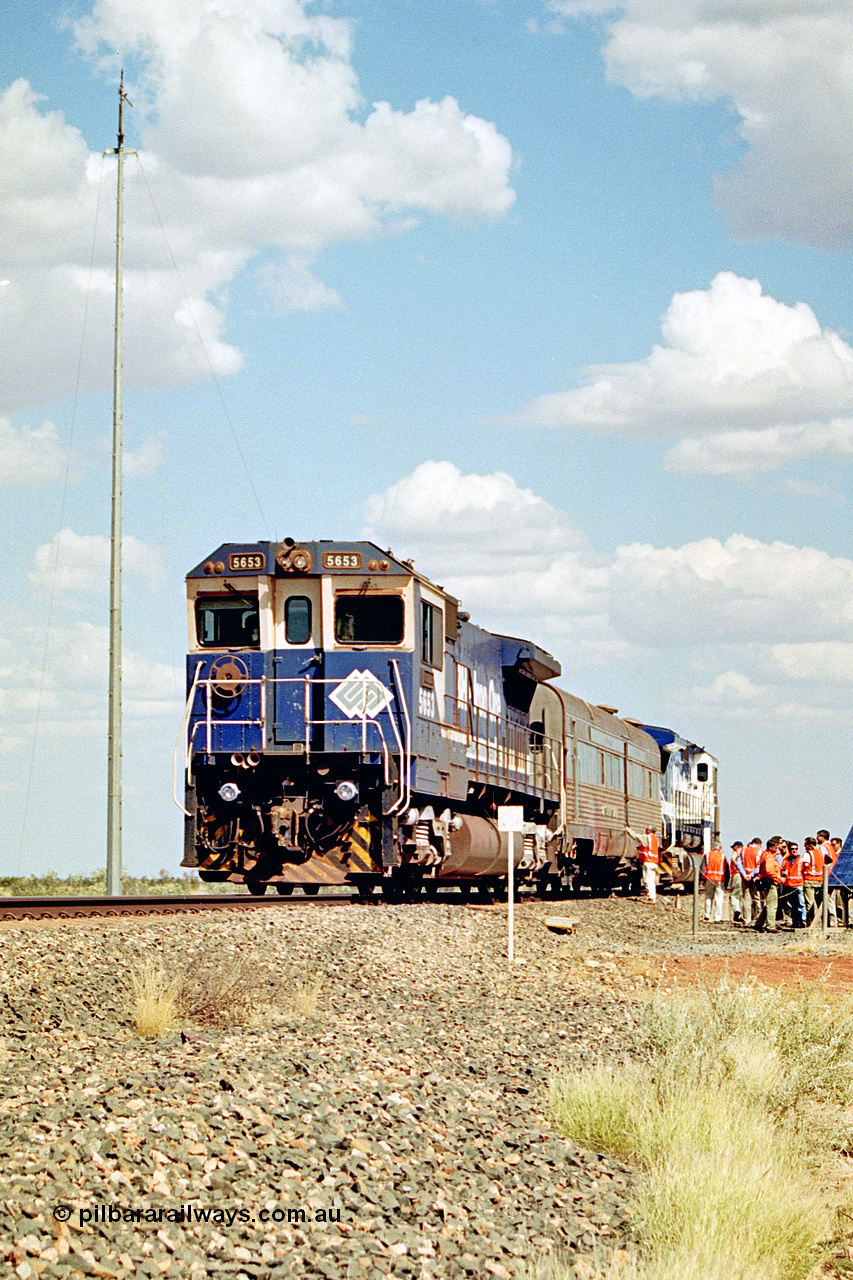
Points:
[384,1115]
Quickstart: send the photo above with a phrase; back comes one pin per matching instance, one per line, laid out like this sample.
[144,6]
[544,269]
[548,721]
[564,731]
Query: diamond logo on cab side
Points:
[361,694]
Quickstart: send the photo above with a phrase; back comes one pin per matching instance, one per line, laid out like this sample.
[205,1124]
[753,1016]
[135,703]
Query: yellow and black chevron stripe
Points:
[358,856]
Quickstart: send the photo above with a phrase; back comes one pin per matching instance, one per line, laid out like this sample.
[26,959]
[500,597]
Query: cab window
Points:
[368,619]
[228,622]
[297,620]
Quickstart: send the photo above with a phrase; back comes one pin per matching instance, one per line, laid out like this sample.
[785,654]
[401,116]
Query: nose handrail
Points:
[186,743]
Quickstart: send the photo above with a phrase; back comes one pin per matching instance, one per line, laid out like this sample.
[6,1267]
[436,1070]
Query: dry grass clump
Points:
[219,989]
[154,1005]
[305,996]
[732,1119]
[627,1264]
[786,1047]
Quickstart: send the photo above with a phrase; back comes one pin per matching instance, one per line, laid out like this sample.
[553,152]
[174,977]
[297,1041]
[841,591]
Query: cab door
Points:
[296,658]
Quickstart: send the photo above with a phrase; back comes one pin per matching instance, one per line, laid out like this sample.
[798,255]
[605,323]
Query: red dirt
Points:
[833,971]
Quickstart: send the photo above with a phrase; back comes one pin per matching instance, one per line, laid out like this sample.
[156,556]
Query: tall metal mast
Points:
[114,729]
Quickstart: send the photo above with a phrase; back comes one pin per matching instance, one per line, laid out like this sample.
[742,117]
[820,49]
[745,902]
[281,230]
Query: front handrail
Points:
[405,751]
[182,740]
[187,737]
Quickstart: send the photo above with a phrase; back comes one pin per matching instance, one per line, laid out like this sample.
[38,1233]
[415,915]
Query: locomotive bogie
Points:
[345,723]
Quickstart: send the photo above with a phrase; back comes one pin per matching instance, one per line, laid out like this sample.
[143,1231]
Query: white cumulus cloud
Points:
[74,562]
[737,591]
[784,66]
[31,455]
[257,150]
[827,660]
[518,564]
[749,382]
[738,452]
[508,554]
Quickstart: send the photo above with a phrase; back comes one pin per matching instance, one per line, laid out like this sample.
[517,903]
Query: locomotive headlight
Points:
[346,791]
[229,791]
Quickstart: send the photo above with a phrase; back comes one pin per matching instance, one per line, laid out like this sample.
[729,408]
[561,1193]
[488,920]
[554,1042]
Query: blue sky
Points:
[552,296]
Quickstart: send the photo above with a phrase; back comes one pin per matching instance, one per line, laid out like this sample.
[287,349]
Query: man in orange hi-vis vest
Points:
[793,869]
[812,876]
[769,879]
[714,870]
[648,854]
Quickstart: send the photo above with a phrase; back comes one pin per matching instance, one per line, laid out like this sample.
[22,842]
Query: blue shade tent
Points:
[842,872]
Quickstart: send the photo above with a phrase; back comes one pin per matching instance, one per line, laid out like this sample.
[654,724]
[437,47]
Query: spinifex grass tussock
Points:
[787,1047]
[154,1000]
[224,988]
[306,996]
[731,1118]
[213,988]
[626,1264]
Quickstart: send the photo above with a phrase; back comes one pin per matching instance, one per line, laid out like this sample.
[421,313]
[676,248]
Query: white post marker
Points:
[510,820]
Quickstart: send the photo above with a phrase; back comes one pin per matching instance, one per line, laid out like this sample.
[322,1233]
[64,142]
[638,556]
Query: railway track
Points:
[12,909]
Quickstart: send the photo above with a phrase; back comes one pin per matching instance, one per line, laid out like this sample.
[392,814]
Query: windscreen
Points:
[368,619]
[228,622]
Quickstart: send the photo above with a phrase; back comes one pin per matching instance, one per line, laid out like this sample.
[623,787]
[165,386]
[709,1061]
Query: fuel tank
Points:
[475,850]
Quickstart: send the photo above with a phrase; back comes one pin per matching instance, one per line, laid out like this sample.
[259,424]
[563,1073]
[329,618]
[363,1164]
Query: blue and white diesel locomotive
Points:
[346,723]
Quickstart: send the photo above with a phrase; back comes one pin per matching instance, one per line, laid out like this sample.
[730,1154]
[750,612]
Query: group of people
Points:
[766,881]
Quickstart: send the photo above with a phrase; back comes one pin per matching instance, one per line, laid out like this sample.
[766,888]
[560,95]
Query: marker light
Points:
[346,791]
[229,791]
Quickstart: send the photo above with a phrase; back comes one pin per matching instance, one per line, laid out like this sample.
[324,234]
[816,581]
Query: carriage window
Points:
[297,620]
[431,636]
[228,622]
[368,619]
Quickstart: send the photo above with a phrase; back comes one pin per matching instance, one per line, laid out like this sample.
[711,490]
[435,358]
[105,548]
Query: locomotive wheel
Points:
[257,888]
[284,889]
[547,886]
[363,886]
[311,889]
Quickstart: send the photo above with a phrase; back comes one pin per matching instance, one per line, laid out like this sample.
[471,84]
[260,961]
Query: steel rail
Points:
[54,908]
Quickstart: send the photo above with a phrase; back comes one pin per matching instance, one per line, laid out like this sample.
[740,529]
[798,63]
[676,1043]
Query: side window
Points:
[431,636]
[702,772]
[297,620]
